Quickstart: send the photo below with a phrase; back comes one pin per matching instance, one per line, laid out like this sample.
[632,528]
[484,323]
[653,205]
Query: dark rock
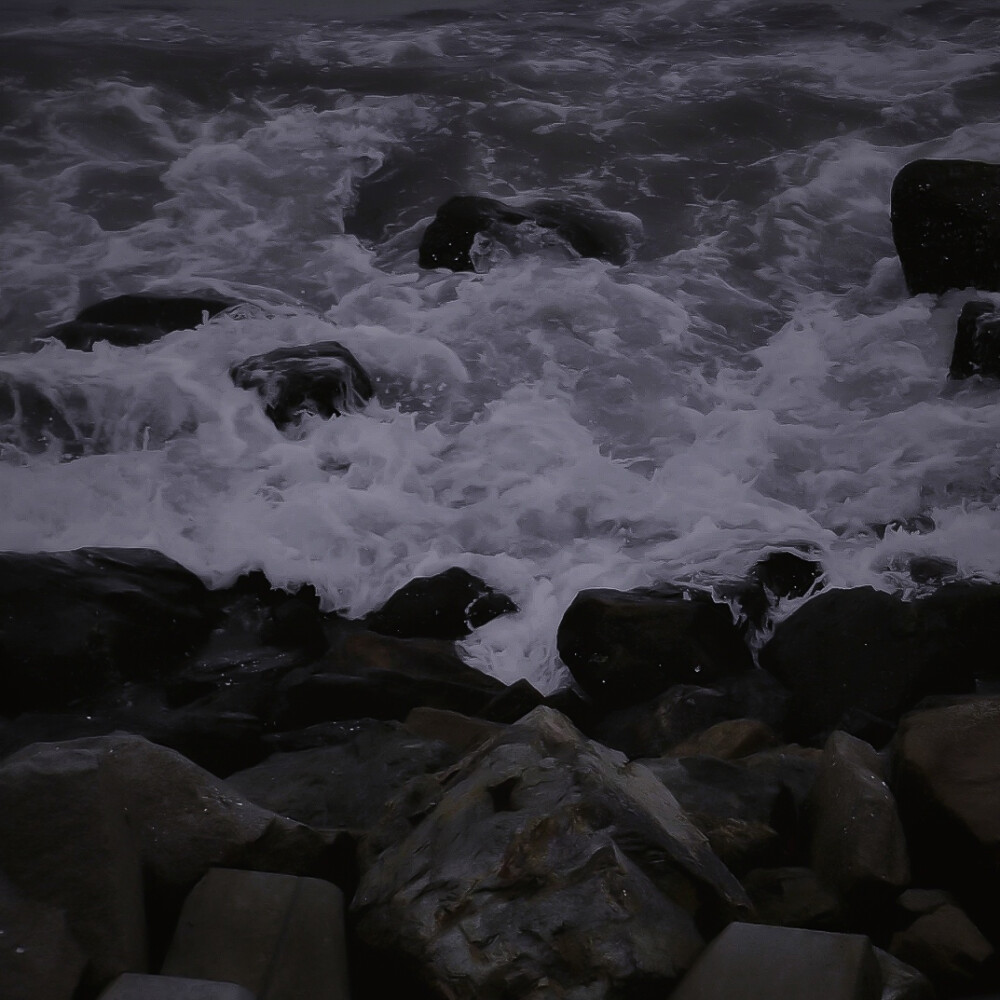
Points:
[133,320]
[38,419]
[901,981]
[366,675]
[343,786]
[324,379]
[959,620]
[447,241]
[461,732]
[624,648]
[777,576]
[513,702]
[542,864]
[946,224]
[757,962]
[977,342]
[858,845]
[793,897]
[946,777]
[859,650]
[657,726]
[448,605]
[946,946]
[728,740]
[76,623]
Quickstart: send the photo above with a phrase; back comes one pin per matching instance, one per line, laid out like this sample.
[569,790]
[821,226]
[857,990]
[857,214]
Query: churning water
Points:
[755,377]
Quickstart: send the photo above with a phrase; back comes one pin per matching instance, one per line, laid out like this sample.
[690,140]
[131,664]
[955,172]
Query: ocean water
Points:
[755,378]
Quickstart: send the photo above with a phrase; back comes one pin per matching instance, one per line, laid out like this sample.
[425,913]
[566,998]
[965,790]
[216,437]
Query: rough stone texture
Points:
[756,962]
[66,841]
[977,342]
[945,945]
[365,675]
[449,241]
[793,897]
[137,987]
[947,782]
[323,378]
[461,732]
[279,936]
[39,957]
[448,605]
[946,224]
[541,865]
[728,740]
[848,655]
[132,320]
[624,648]
[858,845]
[347,785]
[75,623]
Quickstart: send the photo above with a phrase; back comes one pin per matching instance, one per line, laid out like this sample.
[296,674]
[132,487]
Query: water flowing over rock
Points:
[133,320]
[541,863]
[946,224]
[977,342]
[450,240]
[324,379]
[626,647]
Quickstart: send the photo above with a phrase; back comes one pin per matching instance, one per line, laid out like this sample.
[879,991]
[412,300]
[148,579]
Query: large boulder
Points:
[76,623]
[322,378]
[626,647]
[854,657]
[450,240]
[448,605]
[541,865]
[946,776]
[946,224]
[133,320]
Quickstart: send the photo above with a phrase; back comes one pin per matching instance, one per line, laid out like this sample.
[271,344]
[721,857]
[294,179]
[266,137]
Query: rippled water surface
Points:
[755,377]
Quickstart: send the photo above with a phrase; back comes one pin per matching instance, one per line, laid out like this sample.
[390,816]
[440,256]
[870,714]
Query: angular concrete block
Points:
[132,986]
[280,936]
[758,962]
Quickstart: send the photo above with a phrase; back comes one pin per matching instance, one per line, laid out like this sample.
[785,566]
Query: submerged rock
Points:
[626,647]
[450,240]
[448,605]
[977,342]
[324,379]
[946,224]
[541,865]
[133,320]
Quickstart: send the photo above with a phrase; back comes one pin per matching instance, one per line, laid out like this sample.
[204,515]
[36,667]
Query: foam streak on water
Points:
[755,377]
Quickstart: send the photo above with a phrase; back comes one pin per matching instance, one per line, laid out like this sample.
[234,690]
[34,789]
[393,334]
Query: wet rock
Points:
[133,320]
[541,864]
[132,986]
[757,962]
[946,946]
[946,776]
[847,655]
[977,342]
[323,378]
[778,576]
[901,981]
[278,936]
[66,842]
[346,785]
[448,605]
[461,732]
[728,740]
[449,240]
[657,726]
[793,896]
[858,845]
[959,621]
[366,675]
[39,957]
[626,647]
[76,623]
[946,224]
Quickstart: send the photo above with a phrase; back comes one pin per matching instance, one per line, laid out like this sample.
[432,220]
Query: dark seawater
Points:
[755,377]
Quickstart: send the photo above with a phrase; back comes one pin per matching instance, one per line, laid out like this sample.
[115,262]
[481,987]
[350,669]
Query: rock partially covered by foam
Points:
[977,342]
[464,224]
[946,224]
[448,605]
[541,865]
[323,378]
[133,320]
[626,647]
